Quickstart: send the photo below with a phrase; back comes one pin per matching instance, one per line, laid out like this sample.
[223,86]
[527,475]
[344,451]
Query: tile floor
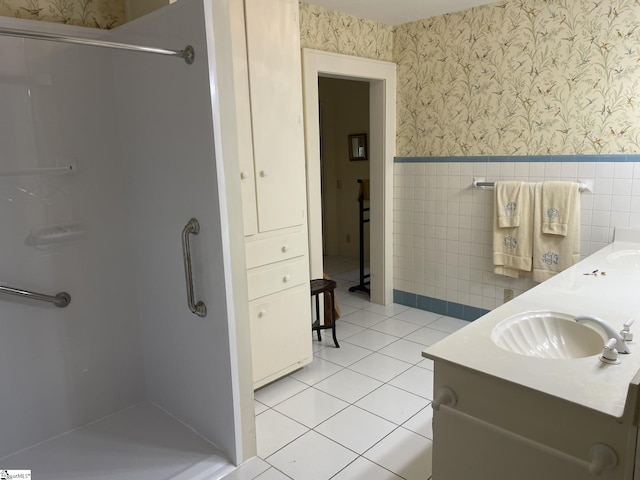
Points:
[358,412]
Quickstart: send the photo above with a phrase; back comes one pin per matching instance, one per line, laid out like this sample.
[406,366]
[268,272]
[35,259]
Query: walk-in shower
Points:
[106,154]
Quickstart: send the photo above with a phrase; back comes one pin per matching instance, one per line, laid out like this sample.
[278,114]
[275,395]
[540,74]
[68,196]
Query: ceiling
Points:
[395,12]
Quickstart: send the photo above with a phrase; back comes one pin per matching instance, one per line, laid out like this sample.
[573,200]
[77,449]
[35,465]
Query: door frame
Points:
[381,77]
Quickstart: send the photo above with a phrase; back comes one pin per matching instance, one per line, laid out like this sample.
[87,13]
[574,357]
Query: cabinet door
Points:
[280,334]
[467,448]
[275,83]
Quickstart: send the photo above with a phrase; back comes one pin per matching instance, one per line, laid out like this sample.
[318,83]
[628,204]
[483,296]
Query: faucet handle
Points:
[609,352]
[626,332]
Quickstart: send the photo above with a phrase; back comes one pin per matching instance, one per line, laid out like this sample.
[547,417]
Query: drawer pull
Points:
[285,249]
[244,175]
[286,278]
[262,313]
[264,173]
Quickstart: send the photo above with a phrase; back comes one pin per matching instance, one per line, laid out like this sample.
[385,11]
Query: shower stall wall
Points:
[139,151]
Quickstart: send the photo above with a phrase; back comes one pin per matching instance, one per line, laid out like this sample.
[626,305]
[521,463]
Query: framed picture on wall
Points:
[358,147]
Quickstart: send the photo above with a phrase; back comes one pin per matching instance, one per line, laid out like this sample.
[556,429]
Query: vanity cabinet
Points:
[500,431]
[273,185]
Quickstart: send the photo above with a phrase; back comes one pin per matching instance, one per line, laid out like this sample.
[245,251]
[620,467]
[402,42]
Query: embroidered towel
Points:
[554,253]
[507,203]
[512,246]
[558,200]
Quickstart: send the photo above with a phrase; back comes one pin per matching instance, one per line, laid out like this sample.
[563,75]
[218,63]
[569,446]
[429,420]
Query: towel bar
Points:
[585,186]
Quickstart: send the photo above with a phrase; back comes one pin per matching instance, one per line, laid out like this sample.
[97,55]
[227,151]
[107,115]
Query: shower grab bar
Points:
[61,299]
[188,53]
[192,227]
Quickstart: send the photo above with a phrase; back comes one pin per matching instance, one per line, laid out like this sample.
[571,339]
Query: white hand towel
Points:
[508,203]
[558,199]
[554,253]
[513,246]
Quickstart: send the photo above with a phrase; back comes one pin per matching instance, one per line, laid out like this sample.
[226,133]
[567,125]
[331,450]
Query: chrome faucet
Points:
[621,345]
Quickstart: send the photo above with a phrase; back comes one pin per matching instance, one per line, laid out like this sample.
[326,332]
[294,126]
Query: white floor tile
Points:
[311,407]
[426,336]
[366,470]
[395,327]
[327,339]
[356,300]
[272,474]
[317,346]
[405,453]
[352,275]
[346,329]
[312,457]
[348,385]
[416,380]
[426,363]
[449,324]
[316,371]
[356,429]
[371,339]
[410,352]
[380,367]
[392,404]
[421,423]
[249,470]
[280,390]
[343,287]
[345,355]
[274,431]
[363,318]
[345,309]
[420,317]
[259,407]
[386,310]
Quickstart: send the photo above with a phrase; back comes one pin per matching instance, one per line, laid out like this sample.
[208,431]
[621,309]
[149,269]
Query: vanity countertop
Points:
[614,297]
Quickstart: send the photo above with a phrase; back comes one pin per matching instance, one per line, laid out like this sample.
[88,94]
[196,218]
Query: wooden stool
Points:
[319,286]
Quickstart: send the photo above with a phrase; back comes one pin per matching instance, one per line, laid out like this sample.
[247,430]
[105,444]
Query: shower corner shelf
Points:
[54,235]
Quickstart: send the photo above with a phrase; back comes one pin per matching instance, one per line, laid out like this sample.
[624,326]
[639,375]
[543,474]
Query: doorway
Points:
[381,78]
[344,118]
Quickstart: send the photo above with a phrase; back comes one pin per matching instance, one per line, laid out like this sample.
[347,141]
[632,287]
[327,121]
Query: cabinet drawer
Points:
[280,334]
[271,250]
[277,277]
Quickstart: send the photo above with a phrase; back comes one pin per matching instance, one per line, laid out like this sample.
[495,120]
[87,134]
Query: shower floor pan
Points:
[139,443]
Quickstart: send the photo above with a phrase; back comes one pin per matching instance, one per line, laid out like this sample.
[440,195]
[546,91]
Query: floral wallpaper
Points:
[336,32]
[87,13]
[519,78]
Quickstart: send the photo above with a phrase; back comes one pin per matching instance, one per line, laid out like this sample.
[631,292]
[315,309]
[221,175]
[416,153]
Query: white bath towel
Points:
[558,199]
[507,203]
[554,253]
[512,246]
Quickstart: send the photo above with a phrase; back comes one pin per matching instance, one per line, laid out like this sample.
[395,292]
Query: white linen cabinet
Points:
[274,193]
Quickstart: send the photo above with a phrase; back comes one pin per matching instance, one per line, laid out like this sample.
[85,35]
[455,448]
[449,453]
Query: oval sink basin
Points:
[547,335]
[625,259]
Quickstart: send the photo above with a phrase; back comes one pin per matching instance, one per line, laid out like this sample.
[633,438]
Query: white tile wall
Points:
[442,227]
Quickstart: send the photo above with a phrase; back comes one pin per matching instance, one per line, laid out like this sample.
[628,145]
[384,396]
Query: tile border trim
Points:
[521,158]
[451,309]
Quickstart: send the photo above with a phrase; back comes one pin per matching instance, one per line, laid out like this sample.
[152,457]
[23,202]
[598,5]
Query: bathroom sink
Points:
[625,259]
[547,334]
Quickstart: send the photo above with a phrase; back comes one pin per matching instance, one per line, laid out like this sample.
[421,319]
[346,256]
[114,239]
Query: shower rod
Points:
[188,54]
